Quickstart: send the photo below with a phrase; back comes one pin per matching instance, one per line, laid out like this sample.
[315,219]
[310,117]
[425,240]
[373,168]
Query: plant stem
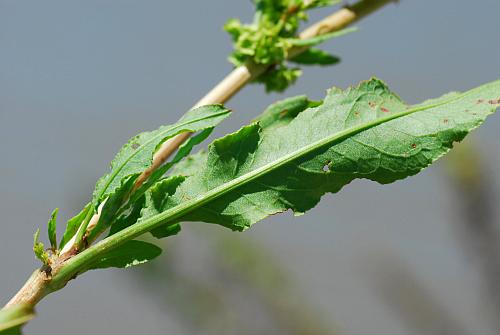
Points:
[68,266]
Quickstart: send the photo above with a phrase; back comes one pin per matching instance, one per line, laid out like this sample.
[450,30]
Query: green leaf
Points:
[113,204]
[183,151]
[309,42]
[363,132]
[73,224]
[136,156]
[12,318]
[315,57]
[128,217]
[282,112]
[160,198]
[51,228]
[131,253]
[39,249]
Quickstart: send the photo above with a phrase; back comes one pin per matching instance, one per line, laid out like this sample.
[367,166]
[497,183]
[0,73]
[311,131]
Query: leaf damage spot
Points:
[135,146]
[414,145]
[283,113]
[494,102]
[384,110]
[479,101]
[326,166]
[372,104]
[445,121]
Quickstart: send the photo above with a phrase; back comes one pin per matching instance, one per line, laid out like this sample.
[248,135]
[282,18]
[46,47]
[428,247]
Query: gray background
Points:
[78,78]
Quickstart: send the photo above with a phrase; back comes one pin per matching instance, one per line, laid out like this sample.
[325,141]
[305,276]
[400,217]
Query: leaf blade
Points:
[315,57]
[51,229]
[130,253]
[248,176]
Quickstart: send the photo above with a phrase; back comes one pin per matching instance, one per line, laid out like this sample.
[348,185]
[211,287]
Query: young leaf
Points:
[282,112]
[39,249]
[136,156]
[73,224]
[129,254]
[363,132]
[12,318]
[315,57]
[112,205]
[51,228]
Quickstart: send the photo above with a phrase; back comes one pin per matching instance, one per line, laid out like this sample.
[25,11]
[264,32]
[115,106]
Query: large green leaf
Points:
[363,132]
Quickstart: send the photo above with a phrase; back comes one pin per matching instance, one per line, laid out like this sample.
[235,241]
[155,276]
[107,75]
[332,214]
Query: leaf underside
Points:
[362,132]
[128,254]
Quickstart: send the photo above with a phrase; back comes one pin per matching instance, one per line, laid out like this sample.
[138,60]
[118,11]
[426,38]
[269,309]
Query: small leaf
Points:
[282,112]
[39,249]
[315,57]
[309,42]
[12,318]
[129,254]
[183,151]
[112,205]
[137,155]
[51,228]
[73,224]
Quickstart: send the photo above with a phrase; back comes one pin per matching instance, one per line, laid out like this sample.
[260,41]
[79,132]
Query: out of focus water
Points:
[78,78]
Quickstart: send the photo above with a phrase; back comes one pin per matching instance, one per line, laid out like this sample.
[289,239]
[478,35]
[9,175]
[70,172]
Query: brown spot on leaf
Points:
[445,120]
[283,113]
[371,104]
[494,102]
[414,145]
[135,146]
[356,113]
[479,101]
[384,110]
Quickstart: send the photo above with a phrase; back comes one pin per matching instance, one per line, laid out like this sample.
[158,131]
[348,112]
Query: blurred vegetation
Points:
[243,290]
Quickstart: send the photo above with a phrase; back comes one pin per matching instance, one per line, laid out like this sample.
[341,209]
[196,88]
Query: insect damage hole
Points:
[326,167]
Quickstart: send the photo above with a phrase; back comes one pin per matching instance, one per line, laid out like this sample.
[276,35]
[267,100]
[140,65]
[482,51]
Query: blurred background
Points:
[421,256]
